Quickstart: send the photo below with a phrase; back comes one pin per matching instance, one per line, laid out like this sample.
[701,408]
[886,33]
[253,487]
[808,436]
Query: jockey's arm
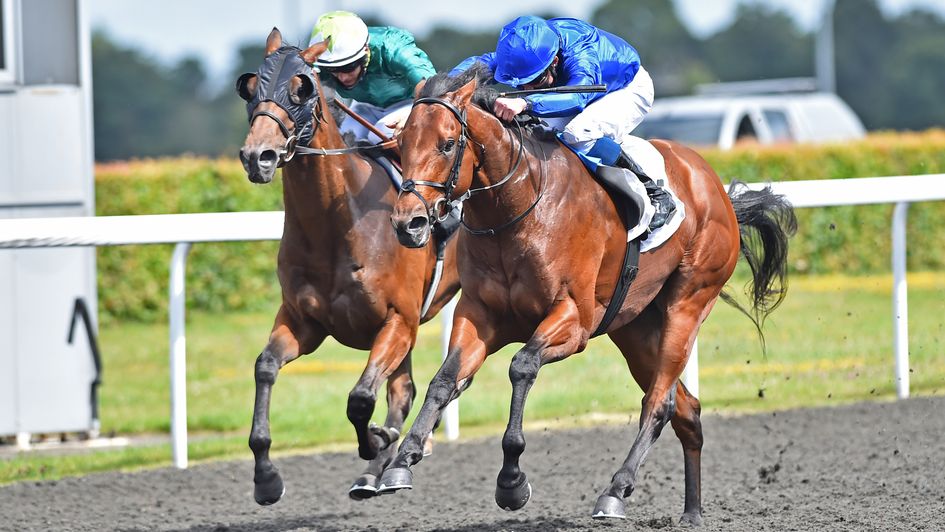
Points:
[576,71]
[488,59]
[412,63]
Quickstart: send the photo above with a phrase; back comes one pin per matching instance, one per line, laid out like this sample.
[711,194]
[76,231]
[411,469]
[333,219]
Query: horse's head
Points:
[437,165]
[283,92]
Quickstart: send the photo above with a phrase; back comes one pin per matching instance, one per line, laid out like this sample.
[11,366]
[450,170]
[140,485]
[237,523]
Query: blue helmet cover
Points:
[526,48]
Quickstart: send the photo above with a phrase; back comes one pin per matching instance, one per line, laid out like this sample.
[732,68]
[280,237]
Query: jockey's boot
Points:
[611,154]
[662,201]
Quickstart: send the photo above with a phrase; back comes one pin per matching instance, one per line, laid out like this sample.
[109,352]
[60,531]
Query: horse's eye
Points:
[448,145]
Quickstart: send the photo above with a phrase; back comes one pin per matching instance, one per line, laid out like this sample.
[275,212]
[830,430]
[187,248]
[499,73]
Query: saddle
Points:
[631,207]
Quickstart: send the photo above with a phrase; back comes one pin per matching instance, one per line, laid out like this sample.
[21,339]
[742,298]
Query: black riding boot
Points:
[661,200]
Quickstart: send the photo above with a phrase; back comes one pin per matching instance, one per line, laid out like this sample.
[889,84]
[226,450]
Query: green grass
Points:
[829,343]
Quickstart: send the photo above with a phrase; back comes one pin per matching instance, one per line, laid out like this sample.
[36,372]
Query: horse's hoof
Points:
[269,491]
[609,507]
[512,499]
[691,519]
[398,478]
[364,487]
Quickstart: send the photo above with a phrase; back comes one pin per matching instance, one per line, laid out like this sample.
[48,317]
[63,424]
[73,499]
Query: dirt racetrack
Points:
[875,466]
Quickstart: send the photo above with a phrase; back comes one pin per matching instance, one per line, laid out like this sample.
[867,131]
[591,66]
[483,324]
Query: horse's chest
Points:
[340,300]
[523,292]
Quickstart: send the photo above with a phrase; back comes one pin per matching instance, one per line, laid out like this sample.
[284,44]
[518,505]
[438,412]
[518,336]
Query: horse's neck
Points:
[317,188]
[504,202]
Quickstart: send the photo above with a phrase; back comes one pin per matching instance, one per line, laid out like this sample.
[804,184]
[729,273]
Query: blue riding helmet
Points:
[526,48]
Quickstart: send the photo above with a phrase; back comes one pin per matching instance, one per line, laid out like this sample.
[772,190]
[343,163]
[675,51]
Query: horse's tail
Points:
[765,222]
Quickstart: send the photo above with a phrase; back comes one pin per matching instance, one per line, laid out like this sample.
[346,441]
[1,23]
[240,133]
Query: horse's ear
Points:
[246,86]
[418,88]
[301,89]
[310,54]
[274,41]
[463,95]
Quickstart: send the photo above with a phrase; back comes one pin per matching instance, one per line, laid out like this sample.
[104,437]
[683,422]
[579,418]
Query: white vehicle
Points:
[729,113]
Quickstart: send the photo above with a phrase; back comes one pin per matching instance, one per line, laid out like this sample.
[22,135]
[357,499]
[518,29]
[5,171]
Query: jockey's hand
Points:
[507,108]
[396,120]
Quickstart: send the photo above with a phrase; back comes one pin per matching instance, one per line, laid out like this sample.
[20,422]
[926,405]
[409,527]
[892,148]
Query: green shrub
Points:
[851,239]
[241,276]
[133,280]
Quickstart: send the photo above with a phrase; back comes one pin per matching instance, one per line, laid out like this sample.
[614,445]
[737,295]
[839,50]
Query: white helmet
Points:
[349,38]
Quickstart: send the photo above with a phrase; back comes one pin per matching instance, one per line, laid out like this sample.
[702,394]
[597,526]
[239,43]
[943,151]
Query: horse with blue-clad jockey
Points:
[551,258]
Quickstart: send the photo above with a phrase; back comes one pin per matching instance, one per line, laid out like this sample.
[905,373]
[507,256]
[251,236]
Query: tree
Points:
[131,99]
[447,47]
[761,43]
[667,49]
[145,109]
[862,43]
[915,72]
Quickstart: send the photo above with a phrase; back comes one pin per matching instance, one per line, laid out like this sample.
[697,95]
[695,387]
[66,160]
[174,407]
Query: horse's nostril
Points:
[268,158]
[417,223]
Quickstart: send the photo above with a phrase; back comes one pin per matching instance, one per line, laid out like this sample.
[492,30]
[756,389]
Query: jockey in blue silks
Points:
[536,53]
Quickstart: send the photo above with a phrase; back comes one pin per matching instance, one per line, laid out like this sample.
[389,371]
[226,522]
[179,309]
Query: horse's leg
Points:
[285,345]
[391,346]
[639,343]
[681,320]
[400,395]
[558,336]
[470,343]
[688,427]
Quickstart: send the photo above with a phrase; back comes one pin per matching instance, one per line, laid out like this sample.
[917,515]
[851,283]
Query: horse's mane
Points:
[336,112]
[485,93]
[484,96]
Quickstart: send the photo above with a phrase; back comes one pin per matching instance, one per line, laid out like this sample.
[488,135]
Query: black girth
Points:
[628,272]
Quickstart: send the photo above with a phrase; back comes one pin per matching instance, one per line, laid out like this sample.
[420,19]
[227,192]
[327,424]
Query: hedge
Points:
[241,276]
[852,239]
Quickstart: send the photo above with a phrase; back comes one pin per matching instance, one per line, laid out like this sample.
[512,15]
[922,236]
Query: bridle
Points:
[440,209]
[291,147]
[298,137]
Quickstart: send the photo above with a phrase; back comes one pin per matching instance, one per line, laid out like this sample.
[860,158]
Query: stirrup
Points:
[665,210]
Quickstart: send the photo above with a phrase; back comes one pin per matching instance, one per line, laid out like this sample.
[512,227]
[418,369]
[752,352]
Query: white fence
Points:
[185,229]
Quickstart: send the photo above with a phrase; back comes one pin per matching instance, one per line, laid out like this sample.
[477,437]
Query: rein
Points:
[291,147]
[410,185]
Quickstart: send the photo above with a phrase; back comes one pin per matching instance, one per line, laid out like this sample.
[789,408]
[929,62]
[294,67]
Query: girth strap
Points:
[628,272]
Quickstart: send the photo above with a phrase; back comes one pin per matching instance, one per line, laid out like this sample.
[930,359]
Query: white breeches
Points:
[615,115]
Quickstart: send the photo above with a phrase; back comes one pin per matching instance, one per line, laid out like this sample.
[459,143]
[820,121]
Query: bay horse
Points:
[342,271]
[539,262]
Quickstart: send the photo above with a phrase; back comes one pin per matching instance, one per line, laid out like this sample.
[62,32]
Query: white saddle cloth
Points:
[652,163]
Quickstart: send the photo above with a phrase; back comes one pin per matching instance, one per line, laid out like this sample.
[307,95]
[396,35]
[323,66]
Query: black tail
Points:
[765,222]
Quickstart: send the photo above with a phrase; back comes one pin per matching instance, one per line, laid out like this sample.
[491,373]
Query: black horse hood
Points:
[273,84]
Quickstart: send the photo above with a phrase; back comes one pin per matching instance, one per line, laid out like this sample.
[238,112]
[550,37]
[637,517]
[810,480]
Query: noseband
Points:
[288,150]
[447,200]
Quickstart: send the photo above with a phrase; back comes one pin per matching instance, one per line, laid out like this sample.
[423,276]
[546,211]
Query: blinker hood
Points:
[273,82]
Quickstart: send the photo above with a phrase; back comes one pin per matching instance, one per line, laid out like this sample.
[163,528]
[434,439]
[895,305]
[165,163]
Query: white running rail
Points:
[185,229]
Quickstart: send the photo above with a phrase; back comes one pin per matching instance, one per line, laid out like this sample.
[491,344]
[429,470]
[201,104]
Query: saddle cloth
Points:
[651,162]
